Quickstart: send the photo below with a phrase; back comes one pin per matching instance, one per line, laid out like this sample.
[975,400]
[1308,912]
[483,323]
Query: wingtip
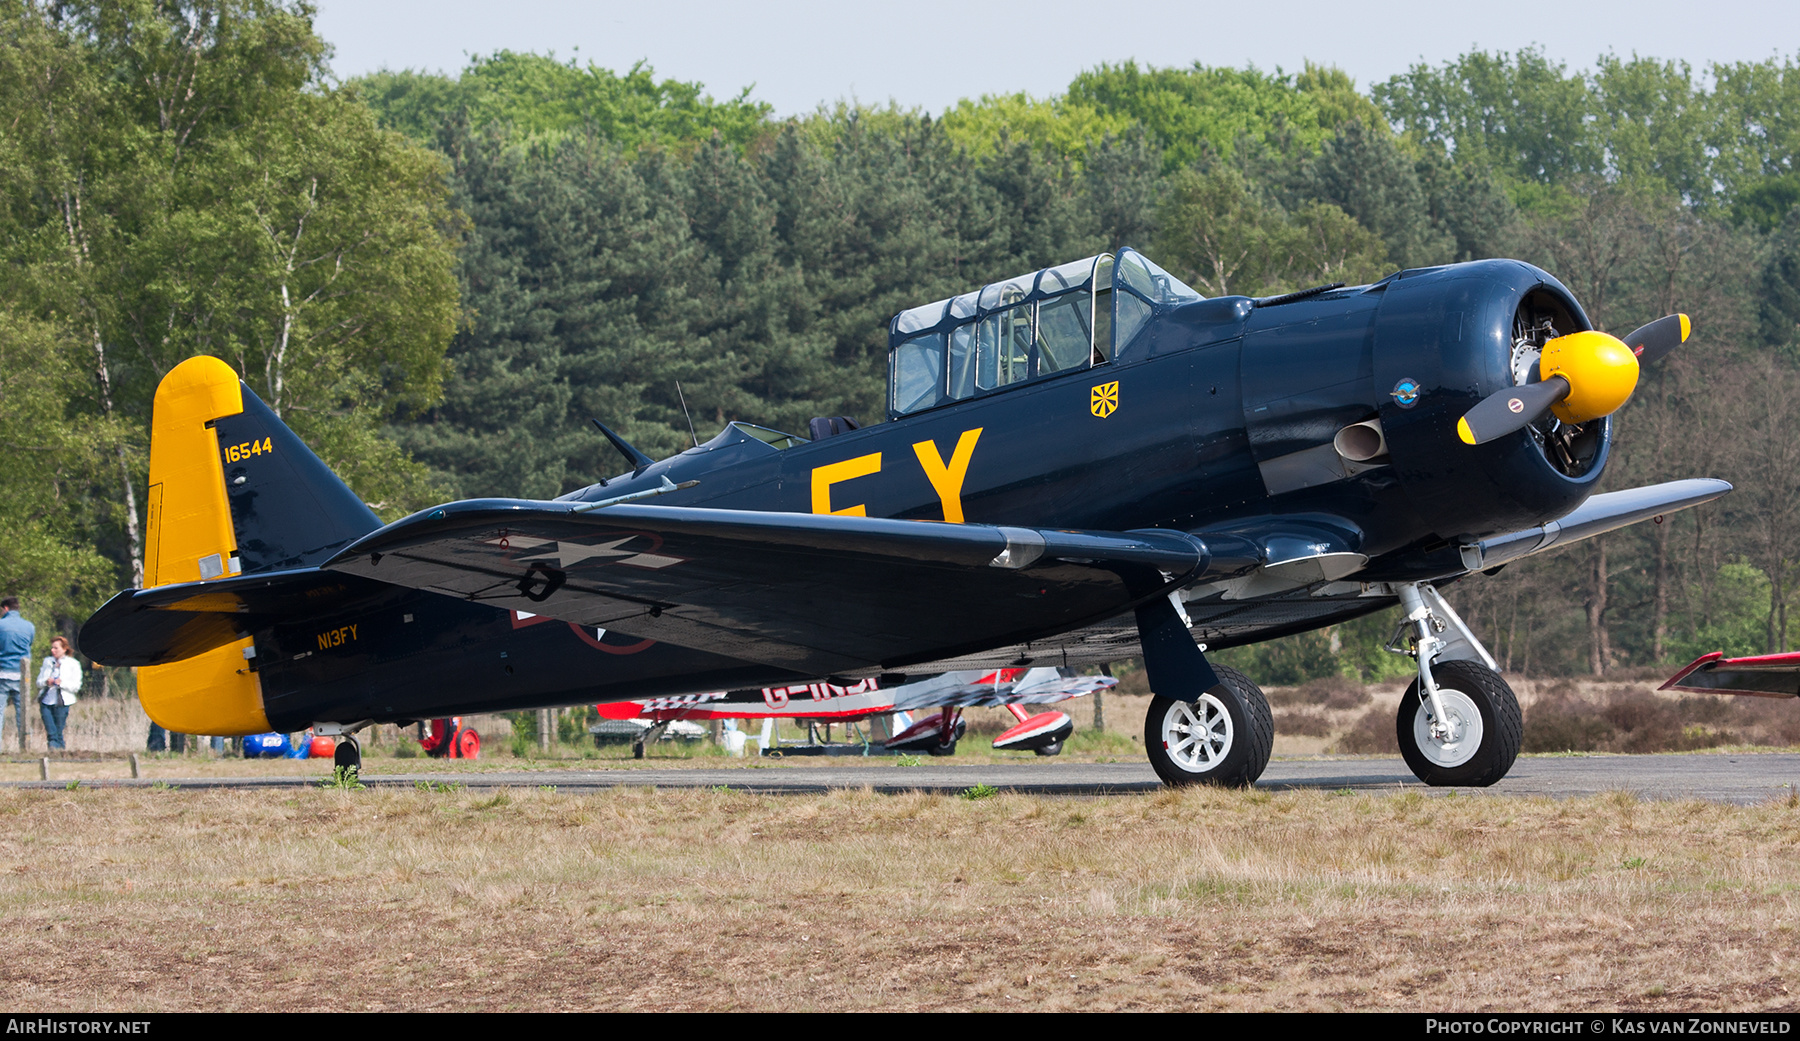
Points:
[1694,666]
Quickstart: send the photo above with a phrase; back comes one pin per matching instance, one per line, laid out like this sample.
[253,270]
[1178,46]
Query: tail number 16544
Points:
[234,453]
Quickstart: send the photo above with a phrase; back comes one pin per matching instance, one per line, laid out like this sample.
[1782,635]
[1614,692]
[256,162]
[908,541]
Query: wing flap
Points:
[818,594]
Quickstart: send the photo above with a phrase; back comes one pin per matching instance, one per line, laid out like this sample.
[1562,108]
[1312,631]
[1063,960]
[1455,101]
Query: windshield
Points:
[1055,320]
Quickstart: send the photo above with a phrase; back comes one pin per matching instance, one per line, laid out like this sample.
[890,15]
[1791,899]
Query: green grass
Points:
[1088,741]
[343,779]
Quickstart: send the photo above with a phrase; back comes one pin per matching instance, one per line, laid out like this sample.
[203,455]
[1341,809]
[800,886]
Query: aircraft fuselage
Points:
[1219,416]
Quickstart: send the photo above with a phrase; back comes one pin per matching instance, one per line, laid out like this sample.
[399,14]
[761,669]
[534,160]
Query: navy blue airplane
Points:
[1082,464]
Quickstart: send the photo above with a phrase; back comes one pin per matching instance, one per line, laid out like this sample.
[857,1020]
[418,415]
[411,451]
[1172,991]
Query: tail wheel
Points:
[347,754]
[1481,732]
[1224,738]
[468,745]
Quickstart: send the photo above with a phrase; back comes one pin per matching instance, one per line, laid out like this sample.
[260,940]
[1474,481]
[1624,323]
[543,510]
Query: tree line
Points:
[438,279]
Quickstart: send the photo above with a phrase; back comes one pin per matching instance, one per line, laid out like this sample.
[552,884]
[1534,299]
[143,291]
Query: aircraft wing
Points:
[1295,593]
[817,594]
[1764,676]
[1600,514]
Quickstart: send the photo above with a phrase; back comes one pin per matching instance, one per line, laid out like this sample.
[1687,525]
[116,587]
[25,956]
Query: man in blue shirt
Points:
[16,635]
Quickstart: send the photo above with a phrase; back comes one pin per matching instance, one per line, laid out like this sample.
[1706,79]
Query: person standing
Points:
[60,680]
[16,635]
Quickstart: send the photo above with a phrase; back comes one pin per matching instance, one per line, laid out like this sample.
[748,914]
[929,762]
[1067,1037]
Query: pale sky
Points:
[930,53]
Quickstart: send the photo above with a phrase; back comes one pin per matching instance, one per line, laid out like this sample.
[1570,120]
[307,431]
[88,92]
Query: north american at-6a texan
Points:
[1082,464]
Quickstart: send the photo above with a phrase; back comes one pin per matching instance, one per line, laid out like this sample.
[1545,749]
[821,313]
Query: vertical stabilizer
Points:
[288,510]
[191,537]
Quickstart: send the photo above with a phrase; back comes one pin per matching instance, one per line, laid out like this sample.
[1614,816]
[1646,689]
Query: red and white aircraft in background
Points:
[1762,675]
[948,694]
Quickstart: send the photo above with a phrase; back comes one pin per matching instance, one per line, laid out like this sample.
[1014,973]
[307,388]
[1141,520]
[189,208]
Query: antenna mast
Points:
[684,411]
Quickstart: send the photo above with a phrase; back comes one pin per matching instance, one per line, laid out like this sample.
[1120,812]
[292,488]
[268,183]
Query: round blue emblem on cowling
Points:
[1406,392]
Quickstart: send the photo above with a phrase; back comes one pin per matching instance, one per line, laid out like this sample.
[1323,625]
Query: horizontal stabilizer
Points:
[170,623]
[816,594]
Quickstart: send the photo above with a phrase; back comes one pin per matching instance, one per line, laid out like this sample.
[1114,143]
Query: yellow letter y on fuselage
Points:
[947,481]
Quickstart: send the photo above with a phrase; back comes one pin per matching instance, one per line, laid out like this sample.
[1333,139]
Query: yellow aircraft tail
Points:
[189,538]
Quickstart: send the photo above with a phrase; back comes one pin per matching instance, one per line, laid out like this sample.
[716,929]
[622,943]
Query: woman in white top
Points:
[60,680]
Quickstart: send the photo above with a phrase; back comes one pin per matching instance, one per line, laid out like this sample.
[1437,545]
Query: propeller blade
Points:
[1656,340]
[1512,409]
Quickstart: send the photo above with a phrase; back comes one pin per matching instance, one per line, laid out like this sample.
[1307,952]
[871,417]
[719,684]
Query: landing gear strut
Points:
[1207,724]
[652,733]
[950,731]
[1459,723]
[936,734]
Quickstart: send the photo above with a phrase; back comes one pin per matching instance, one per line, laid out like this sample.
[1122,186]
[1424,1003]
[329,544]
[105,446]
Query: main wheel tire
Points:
[1223,739]
[1486,727]
[1053,748]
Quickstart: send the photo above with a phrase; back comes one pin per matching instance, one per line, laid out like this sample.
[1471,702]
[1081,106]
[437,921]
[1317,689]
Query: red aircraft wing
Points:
[1763,676]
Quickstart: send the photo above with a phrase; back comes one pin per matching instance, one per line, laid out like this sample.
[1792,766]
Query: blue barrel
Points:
[266,746]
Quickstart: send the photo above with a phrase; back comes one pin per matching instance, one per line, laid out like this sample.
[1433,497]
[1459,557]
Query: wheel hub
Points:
[1456,738]
[1198,736]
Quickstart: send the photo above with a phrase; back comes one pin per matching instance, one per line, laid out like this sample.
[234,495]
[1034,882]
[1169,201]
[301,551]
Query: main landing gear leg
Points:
[950,729]
[651,733]
[1459,723]
[1206,725]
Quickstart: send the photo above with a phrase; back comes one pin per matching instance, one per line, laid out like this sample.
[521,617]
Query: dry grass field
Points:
[143,899]
[526,898]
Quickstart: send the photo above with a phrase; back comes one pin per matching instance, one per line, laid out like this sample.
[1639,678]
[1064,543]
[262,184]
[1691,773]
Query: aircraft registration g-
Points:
[1082,464]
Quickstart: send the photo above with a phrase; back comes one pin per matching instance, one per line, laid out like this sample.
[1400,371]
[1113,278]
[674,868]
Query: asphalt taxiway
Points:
[1745,779]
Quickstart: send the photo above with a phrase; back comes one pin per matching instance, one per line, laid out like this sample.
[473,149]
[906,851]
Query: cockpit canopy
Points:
[1061,319]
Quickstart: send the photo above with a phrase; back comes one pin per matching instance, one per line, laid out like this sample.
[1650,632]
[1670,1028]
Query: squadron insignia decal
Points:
[1104,400]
